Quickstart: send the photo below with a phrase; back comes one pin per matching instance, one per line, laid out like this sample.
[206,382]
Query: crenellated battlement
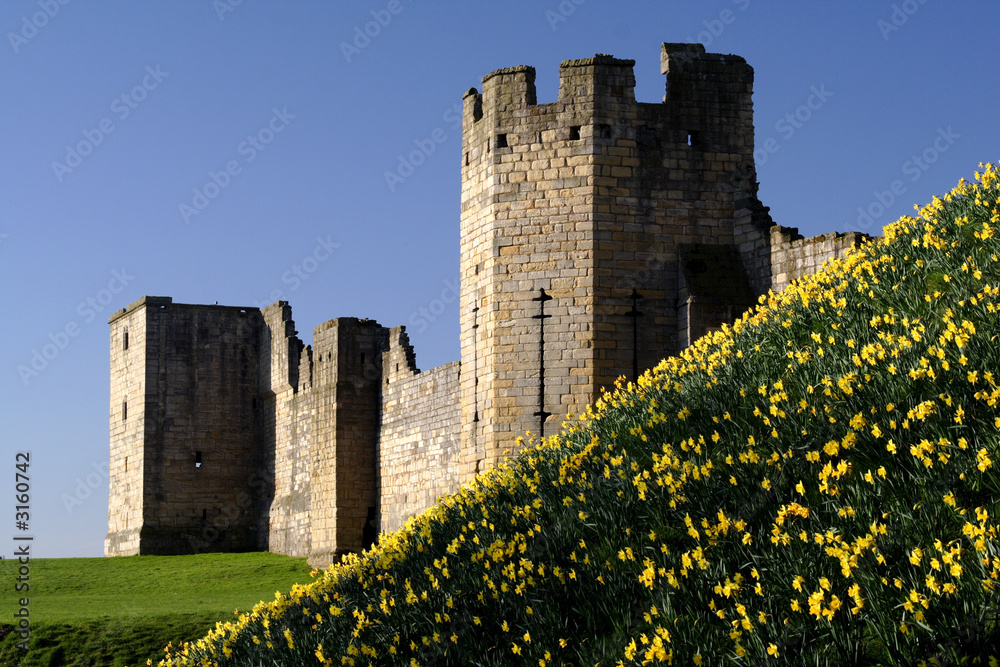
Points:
[693,77]
[586,81]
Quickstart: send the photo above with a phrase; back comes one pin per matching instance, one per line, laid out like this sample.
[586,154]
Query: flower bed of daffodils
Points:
[817,484]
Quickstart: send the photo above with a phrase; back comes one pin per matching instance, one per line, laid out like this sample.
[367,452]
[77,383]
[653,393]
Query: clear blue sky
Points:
[140,103]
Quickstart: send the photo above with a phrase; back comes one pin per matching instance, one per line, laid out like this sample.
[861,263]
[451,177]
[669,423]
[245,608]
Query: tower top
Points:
[691,72]
[598,60]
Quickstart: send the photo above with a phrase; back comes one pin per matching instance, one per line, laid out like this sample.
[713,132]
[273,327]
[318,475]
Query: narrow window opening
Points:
[574,132]
[369,533]
[126,464]
[501,141]
[125,341]
[466,158]
[204,515]
[397,368]
[538,137]
[604,131]
[124,410]
[487,146]
[362,358]
[197,459]
[692,139]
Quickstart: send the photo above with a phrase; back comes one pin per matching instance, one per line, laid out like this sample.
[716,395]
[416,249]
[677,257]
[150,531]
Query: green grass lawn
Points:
[122,611]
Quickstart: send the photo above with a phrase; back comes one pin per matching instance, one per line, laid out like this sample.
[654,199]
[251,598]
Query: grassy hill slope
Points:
[815,485]
[122,611]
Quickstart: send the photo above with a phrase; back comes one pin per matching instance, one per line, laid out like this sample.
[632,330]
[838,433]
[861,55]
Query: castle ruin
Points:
[598,235]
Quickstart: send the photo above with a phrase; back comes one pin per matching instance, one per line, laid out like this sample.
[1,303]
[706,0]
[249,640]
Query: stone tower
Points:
[344,439]
[599,234]
[183,431]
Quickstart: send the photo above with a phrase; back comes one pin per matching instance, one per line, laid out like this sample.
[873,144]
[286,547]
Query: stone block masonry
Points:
[184,439]
[579,198]
[793,256]
[598,235]
[285,417]
[420,427]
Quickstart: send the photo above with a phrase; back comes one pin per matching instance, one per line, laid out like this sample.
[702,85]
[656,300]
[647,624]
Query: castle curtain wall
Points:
[419,444]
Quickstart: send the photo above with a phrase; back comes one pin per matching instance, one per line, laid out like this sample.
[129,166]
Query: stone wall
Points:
[127,428]
[285,415]
[793,256]
[419,443]
[227,433]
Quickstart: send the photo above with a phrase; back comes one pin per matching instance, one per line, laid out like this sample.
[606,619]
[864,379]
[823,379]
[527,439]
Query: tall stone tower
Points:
[344,438]
[184,444]
[599,234]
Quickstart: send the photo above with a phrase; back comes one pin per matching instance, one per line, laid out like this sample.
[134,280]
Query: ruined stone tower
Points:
[227,434]
[184,443]
[598,235]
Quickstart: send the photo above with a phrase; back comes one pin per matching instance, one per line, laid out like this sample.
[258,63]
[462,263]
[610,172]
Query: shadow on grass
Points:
[117,642]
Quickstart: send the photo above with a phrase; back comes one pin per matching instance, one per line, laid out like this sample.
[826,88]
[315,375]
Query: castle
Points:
[598,235]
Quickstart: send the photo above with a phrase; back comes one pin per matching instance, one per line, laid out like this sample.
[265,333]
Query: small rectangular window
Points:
[126,464]
[197,459]
[125,340]
[692,139]
[501,141]
[604,131]
[574,132]
[124,410]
